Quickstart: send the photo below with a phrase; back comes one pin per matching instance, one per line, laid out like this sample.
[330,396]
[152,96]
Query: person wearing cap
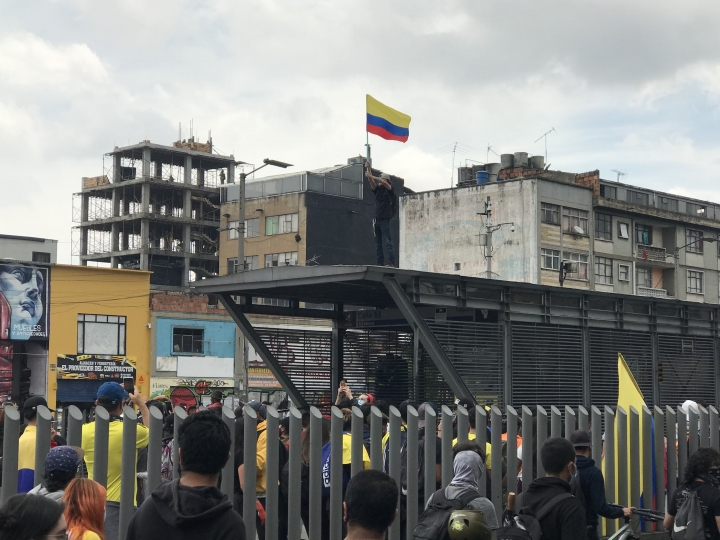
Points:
[111,396]
[61,465]
[592,483]
[26,444]
[385,204]
[216,400]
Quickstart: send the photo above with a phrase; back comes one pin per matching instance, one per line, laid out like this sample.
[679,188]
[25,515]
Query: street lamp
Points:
[240,267]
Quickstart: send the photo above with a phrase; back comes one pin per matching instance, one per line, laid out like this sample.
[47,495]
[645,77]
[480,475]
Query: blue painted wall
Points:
[219,337]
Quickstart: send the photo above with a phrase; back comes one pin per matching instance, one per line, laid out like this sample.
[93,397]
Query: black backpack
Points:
[433,524]
[526,525]
[577,492]
[689,524]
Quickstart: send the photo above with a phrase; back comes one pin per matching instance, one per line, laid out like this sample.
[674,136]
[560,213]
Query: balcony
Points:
[650,253]
[654,293]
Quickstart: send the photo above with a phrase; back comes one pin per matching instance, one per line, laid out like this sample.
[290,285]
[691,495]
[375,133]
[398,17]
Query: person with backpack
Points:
[697,500]
[588,486]
[548,501]
[461,494]
[385,207]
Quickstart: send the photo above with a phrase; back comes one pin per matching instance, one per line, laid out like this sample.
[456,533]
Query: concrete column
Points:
[116,176]
[145,198]
[116,196]
[188,170]
[144,243]
[83,229]
[114,244]
[200,176]
[158,170]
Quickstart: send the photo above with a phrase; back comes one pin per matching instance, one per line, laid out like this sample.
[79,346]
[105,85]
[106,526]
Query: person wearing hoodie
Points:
[193,507]
[61,465]
[468,468]
[592,484]
[565,519]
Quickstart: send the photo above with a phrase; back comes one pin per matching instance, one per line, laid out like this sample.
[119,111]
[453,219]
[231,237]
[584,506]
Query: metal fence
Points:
[660,436]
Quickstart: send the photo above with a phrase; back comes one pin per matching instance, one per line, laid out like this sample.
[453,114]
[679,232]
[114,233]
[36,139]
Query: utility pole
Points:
[486,237]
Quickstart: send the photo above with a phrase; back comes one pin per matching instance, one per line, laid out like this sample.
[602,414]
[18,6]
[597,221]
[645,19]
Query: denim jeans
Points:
[382,233]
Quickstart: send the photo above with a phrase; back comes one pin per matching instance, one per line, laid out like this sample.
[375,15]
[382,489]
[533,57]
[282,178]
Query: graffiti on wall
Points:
[186,392]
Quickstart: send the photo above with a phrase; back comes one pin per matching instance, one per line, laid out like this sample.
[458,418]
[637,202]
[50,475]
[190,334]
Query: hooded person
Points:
[468,468]
[193,507]
[61,465]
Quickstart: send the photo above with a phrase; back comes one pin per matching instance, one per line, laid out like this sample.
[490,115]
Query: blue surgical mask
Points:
[361,402]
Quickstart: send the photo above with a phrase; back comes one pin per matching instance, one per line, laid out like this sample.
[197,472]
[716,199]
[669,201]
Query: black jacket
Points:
[178,512]
[593,488]
[566,521]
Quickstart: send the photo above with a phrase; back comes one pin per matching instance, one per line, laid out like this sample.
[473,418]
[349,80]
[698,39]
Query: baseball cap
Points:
[421,413]
[217,394]
[464,402]
[580,439]
[62,458]
[113,391]
[385,175]
[258,408]
[33,402]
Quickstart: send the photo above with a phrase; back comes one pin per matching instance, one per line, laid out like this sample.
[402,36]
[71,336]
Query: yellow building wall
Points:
[92,290]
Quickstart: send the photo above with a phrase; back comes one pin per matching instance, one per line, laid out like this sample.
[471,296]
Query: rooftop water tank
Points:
[506,161]
[537,162]
[492,169]
[521,159]
[482,177]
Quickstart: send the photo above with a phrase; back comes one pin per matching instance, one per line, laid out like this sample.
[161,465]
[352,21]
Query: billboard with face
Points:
[24,302]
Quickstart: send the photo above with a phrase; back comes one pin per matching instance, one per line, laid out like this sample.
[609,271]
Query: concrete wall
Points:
[440,228]
[21,248]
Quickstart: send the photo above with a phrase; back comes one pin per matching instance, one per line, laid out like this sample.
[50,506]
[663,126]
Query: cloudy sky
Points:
[633,86]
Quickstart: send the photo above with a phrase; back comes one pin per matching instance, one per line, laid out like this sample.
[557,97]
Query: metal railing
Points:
[628,440]
[650,253]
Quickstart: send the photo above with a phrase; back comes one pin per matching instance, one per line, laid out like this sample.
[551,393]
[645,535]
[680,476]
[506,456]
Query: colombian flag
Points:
[386,122]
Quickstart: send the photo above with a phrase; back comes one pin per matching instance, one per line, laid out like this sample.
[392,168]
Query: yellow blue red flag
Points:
[386,122]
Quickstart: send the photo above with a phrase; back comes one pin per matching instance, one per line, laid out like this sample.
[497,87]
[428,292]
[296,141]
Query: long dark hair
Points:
[305,444]
[25,517]
[57,480]
[700,463]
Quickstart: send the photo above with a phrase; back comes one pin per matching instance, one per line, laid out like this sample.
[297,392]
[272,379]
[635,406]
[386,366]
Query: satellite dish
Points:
[578,230]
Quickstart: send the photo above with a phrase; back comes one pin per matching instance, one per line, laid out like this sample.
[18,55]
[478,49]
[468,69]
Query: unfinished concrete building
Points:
[155,208]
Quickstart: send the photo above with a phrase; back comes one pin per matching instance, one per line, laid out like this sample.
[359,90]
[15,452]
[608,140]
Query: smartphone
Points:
[343,383]
[129,385]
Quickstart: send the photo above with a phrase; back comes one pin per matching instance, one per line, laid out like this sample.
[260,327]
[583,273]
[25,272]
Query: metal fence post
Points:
[462,424]
[481,439]
[154,449]
[249,469]
[610,465]
[430,453]
[496,458]
[336,472]
[512,468]
[704,427]
[228,472]
[446,440]
[75,424]
[294,489]
[180,416]
[393,466]
[356,443]
[542,423]
[635,468]
[596,432]
[671,437]
[583,419]
[272,472]
[692,434]
[527,447]
[42,442]
[413,495]
[569,421]
[647,454]
[622,457]
[315,473]
[682,441]
[659,434]
[127,472]
[10,452]
[376,453]
[555,422]
[714,428]
[100,459]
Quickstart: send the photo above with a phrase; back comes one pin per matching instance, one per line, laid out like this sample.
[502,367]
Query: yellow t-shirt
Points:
[115,432]
[87,535]
[347,452]
[488,450]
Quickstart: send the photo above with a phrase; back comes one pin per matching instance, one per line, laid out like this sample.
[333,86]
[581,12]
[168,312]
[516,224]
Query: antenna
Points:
[179,131]
[489,149]
[544,136]
[454,148]
[619,174]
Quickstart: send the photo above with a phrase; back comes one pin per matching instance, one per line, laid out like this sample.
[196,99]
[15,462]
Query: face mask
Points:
[715,473]
[361,402]
[576,471]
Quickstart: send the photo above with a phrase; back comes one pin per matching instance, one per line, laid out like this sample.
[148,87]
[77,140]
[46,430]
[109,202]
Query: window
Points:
[638,197]
[251,262]
[623,229]
[572,218]
[609,192]
[644,277]
[603,226]
[550,213]
[188,340]
[582,260]
[643,234]
[666,203]
[694,241]
[232,266]
[287,223]
[550,259]
[281,259]
[603,270]
[695,281]
[695,209]
[252,228]
[623,272]
[101,334]
[41,257]
[233,230]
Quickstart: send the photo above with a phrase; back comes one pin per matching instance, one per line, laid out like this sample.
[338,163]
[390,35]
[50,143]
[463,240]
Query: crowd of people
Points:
[566,503]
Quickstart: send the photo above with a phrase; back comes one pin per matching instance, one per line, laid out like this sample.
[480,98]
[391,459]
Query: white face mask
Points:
[361,402]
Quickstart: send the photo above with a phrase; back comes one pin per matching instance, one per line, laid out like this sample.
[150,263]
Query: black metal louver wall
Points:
[546,365]
[636,348]
[686,369]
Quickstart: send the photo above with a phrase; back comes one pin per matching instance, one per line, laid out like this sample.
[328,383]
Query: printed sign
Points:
[92,366]
[262,378]
[24,302]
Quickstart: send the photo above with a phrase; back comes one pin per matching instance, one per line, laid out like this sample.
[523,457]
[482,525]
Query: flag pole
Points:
[367,146]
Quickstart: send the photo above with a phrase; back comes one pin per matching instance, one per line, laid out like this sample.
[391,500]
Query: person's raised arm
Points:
[139,400]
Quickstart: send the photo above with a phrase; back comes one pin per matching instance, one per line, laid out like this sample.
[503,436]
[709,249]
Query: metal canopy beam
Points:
[287,311]
[256,341]
[442,362]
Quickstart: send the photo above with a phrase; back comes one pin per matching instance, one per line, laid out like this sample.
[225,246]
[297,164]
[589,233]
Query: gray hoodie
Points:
[41,490]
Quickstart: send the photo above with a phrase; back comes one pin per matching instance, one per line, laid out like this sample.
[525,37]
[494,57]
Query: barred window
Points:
[281,259]
[603,226]
[572,217]
[609,192]
[582,260]
[694,241]
[287,223]
[550,213]
[644,277]
[643,234]
[695,281]
[550,259]
[603,270]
